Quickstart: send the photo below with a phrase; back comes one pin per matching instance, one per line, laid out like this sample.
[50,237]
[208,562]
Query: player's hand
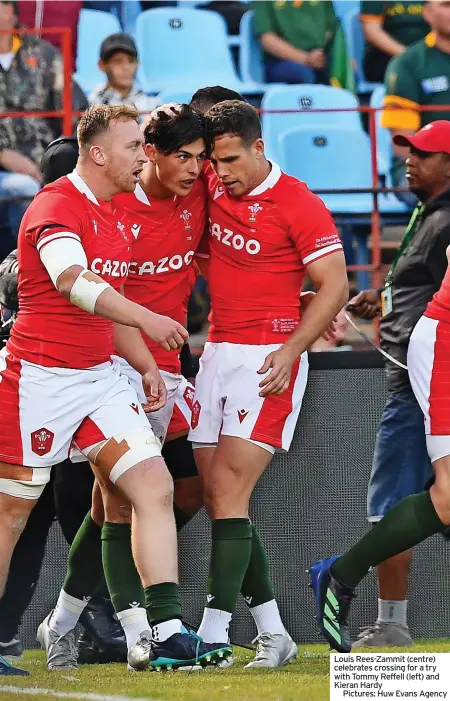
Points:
[165,331]
[305,300]
[154,389]
[316,59]
[279,363]
[366,304]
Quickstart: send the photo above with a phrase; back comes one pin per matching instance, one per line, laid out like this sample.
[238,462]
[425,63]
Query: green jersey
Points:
[402,20]
[307,24]
[418,77]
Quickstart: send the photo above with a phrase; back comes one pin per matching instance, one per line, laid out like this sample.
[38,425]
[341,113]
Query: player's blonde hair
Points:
[98,118]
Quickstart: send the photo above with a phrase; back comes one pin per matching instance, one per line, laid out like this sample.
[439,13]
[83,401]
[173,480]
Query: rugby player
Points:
[267,230]
[416,517]
[57,377]
[166,215]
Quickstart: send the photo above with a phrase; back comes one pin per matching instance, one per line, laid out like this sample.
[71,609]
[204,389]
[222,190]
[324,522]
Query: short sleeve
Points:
[371,11]
[52,216]
[262,17]
[313,230]
[403,91]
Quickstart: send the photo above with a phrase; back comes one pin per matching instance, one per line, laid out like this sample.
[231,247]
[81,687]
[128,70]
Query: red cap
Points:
[434,138]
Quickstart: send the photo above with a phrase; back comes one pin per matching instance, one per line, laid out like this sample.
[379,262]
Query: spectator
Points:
[119,61]
[334,341]
[418,77]
[31,79]
[389,28]
[295,37]
[40,14]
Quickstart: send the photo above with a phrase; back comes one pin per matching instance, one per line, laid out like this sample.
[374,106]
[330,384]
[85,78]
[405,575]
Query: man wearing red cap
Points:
[403,513]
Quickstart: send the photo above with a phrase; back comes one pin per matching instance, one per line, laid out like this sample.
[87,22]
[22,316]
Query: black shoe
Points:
[8,670]
[333,601]
[12,651]
[91,653]
[186,650]
[105,633]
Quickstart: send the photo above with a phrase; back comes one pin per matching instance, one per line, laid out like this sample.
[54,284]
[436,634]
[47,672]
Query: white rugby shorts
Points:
[227,400]
[429,373]
[43,410]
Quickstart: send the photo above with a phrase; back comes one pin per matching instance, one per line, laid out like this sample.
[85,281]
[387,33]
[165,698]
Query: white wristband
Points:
[85,293]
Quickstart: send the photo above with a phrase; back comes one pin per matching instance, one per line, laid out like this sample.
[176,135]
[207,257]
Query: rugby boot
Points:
[332,605]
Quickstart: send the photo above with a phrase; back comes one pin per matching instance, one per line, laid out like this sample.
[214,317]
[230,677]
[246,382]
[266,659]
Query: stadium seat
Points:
[250,56]
[342,7]
[355,43]
[303,98]
[331,157]
[389,204]
[130,13]
[93,27]
[185,48]
[173,96]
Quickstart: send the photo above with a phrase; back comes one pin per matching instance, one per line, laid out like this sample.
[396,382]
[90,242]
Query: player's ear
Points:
[101,65]
[150,152]
[259,147]
[97,155]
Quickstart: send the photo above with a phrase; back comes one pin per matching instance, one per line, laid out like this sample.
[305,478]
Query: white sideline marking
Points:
[77,696]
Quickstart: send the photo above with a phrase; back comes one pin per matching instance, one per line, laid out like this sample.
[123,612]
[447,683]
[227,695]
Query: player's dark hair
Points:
[233,117]
[205,98]
[98,118]
[168,133]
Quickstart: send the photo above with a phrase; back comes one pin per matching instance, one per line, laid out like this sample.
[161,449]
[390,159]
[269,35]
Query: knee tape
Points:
[26,488]
[125,450]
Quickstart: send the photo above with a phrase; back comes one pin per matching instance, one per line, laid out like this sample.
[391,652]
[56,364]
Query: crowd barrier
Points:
[310,503]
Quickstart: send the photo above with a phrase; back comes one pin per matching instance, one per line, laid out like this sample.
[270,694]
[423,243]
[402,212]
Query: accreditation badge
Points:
[386,301]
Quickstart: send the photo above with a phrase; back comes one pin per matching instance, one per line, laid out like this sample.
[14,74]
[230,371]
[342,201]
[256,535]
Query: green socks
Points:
[85,569]
[162,602]
[123,580]
[412,521]
[230,557]
[257,587]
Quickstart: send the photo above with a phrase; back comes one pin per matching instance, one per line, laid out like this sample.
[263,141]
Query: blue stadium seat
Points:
[174,96]
[304,98]
[331,157]
[250,56]
[130,13]
[355,43]
[93,27]
[184,48]
[389,204]
[342,7]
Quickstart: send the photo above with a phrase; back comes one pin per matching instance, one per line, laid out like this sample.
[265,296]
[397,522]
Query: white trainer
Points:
[273,650]
[61,649]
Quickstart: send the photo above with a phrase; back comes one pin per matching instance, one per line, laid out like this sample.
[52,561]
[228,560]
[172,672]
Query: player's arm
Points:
[130,345]
[65,261]
[329,277]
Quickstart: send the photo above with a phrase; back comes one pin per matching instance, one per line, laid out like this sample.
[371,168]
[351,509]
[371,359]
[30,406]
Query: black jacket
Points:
[417,277]
[8,282]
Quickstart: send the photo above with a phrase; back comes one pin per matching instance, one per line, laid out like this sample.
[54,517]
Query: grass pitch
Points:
[306,679]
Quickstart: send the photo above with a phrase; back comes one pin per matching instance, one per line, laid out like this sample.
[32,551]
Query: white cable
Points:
[377,348]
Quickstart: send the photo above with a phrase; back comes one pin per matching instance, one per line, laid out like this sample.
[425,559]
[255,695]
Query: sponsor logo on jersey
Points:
[135,229]
[236,241]
[219,191]
[114,268]
[163,265]
[242,413]
[439,83]
[186,217]
[196,409]
[42,441]
[121,228]
[254,209]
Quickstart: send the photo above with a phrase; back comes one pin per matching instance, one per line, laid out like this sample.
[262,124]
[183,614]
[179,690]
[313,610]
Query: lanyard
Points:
[409,233]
